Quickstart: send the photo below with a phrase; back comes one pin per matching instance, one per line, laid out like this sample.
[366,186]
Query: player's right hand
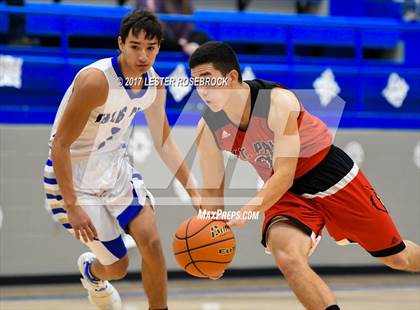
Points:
[217,277]
[196,202]
[81,224]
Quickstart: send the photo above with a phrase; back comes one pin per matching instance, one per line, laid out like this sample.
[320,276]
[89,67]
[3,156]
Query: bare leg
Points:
[144,231]
[116,271]
[290,247]
[407,260]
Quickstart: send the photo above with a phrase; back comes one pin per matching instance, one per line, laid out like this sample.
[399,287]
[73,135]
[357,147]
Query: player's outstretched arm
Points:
[212,169]
[90,91]
[282,120]
[166,147]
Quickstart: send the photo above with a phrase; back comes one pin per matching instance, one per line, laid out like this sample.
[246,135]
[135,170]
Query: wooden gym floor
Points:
[362,292]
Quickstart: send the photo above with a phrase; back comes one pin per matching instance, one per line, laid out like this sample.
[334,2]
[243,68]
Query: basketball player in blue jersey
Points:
[90,185]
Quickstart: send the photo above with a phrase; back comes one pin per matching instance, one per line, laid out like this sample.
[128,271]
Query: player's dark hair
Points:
[219,54]
[142,20]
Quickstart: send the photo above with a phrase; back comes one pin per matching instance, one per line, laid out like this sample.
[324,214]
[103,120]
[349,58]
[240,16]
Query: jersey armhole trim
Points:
[213,134]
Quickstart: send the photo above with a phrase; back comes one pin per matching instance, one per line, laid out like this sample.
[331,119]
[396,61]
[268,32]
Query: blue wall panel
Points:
[47,72]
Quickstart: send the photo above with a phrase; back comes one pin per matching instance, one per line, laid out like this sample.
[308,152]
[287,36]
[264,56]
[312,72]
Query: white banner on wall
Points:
[11,71]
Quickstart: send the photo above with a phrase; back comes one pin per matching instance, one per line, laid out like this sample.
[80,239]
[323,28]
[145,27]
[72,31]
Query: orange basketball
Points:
[204,247]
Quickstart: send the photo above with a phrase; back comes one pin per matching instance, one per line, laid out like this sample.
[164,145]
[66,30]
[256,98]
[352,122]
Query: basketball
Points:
[204,247]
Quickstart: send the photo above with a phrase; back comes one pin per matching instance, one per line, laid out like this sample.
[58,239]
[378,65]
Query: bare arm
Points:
[89,91]
[166,147]
[282,120]
[212,169]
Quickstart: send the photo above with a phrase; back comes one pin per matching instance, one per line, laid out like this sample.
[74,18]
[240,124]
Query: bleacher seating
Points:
[367,8]
[47,71]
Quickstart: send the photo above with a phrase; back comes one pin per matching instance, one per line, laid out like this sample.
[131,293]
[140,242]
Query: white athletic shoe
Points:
[100,293]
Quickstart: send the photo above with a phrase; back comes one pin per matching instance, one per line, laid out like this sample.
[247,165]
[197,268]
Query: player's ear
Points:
[232,78]
[120,43]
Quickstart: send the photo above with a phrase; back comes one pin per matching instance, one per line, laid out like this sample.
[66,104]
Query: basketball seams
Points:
[188,249]
[203,246]
[206,261]
[198,231]
[214,256]
[194,271]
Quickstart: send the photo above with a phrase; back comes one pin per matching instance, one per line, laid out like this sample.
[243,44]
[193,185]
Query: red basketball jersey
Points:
[256,143]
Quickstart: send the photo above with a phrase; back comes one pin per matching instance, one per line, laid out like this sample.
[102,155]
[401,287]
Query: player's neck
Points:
[239,110]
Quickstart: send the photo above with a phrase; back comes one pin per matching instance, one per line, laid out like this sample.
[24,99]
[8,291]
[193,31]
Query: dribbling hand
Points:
[196,202]
[217,278]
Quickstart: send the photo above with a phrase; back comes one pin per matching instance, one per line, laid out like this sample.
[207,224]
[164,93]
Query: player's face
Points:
[214,95]
[139,52]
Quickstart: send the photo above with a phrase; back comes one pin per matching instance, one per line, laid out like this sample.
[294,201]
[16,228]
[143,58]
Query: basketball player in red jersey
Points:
[309,182]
